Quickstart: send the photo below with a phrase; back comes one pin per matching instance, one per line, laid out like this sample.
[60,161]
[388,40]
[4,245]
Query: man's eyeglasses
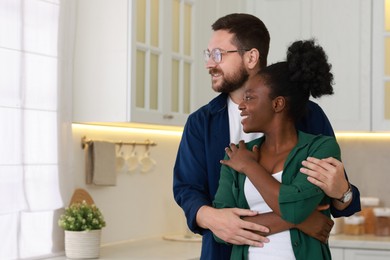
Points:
[216,54]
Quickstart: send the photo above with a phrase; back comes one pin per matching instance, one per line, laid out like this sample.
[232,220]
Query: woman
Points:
[264,174]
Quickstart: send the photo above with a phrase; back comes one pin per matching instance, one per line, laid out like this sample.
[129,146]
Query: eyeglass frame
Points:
[209,54]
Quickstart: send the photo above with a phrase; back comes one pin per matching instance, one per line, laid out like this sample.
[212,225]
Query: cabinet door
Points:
[343,29]
[381,65]
[162,61]
[286,20]
[352,254]
[100,61]
[337,253]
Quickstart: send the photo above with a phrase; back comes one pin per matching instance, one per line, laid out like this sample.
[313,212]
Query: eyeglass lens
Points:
[215,55]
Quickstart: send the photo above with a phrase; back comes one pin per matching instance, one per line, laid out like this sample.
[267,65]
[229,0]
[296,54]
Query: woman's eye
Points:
[247,98]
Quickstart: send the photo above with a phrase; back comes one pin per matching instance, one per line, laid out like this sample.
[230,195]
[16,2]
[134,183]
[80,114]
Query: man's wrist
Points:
[347,196]
[201,218]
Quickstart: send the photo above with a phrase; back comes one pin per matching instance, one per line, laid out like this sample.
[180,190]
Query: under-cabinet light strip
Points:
[163,131]
[363,134]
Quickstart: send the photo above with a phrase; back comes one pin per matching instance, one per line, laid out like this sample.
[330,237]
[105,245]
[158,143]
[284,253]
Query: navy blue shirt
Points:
[197,168]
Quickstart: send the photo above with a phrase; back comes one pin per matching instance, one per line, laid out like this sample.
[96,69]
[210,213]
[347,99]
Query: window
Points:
[30,119]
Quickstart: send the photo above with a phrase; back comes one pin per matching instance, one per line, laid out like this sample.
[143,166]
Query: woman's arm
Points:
[317,225]
[296,192]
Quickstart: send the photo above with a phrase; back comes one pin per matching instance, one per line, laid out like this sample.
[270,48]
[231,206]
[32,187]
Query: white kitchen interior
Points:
[132,71]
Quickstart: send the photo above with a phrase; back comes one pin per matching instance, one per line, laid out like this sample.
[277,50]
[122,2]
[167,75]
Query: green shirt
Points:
[298,198]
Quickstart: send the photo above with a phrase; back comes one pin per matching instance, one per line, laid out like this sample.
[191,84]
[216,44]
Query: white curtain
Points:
[35,124]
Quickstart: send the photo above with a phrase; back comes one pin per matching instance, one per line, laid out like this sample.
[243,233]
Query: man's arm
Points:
[316,122]
[190,177]
[329,175]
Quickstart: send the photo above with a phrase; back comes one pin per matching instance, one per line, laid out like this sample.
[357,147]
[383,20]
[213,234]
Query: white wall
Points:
[141,205]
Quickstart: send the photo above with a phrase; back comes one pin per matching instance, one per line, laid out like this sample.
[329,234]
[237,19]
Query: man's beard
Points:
[232,83]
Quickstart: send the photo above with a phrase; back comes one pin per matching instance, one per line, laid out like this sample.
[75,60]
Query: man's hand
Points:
[317,225]
[228,225]
[328,174]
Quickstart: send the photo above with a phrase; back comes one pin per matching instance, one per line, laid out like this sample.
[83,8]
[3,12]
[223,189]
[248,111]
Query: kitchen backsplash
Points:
[367,162]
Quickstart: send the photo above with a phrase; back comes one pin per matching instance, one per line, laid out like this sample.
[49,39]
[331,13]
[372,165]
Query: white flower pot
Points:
[82,244]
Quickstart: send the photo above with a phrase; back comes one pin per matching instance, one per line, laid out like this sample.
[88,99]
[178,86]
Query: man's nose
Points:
[210,63]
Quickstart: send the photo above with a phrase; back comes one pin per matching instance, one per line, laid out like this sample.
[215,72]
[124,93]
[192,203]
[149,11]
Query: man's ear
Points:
[252,58]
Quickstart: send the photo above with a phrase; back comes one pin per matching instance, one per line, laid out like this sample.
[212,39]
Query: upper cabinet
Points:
[134,61]
[100,64]
[140,61]
[343,29]
[161,60]
[381,65]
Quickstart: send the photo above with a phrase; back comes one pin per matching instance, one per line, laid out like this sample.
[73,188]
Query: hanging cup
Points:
[132,161]
[147,163]
[120,162]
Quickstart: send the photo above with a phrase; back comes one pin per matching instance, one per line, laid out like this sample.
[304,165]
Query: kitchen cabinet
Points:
[350,247]
[141,61]
[100,86]
[381,65]
[357,254]
[127,67]
[337,253]
[343,29]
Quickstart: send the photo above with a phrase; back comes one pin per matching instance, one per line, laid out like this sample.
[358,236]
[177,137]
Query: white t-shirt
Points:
[279,246]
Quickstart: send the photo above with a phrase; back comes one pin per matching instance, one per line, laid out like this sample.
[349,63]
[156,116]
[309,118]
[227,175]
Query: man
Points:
[238,49]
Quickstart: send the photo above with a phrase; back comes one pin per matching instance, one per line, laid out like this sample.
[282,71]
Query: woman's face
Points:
[256,107]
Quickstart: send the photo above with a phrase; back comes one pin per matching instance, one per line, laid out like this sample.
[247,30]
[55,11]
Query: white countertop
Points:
[360,241]
[181,249]
[149,249]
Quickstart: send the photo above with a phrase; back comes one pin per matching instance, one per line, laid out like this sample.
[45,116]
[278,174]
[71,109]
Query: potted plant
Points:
[82,223]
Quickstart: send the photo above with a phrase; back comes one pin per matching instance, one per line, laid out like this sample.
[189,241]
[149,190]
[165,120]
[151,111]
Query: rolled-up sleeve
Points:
[298,197]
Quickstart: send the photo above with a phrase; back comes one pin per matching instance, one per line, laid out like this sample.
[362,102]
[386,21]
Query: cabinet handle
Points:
[167,116]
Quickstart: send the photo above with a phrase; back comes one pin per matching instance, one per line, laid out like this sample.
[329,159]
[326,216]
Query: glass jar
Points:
[368,204]
[354,225]
[382,221]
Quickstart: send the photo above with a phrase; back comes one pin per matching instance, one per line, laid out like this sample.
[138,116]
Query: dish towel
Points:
[100,163]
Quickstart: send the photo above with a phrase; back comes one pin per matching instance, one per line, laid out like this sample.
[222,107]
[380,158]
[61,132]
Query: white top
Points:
[235,126]
[279,246]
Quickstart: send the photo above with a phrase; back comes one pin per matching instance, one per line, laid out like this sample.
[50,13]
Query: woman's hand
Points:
[240,157]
